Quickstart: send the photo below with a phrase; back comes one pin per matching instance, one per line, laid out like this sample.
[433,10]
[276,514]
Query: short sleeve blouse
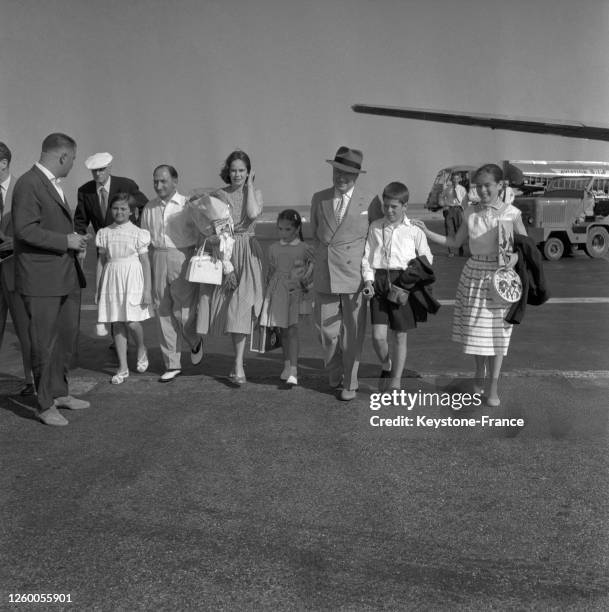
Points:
[123,240]
[482,226]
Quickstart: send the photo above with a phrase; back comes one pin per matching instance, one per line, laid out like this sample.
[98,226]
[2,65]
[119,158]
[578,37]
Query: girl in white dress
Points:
[478,322]
[123,282]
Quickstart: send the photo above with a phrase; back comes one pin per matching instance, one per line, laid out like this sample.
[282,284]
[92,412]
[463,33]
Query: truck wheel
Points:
[553,249]
[597,242]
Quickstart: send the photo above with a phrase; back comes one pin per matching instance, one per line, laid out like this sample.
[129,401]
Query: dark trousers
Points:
[12,302]
[54,322]
[453,218]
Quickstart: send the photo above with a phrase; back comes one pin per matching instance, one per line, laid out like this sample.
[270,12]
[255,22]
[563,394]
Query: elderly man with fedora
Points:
[94,197]
[339,222]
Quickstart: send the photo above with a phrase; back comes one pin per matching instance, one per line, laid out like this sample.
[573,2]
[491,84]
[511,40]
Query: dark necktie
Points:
[103,203]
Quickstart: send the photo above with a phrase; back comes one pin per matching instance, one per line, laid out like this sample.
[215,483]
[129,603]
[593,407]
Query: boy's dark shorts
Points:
[384,312]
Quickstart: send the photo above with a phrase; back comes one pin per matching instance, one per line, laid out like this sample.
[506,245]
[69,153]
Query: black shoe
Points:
[196,354]
[27,390]
[383,376]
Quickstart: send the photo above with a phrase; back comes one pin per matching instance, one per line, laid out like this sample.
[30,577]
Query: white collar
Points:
[176,198]
[497,205]
[292,243]
[339,195]
[47,173]
[106,186]
[5,184]
[405,221]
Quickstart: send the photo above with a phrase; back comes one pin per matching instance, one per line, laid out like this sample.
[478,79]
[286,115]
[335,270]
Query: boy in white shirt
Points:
[391,244]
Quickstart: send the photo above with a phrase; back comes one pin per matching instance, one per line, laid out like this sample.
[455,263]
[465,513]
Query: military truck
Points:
[572,213]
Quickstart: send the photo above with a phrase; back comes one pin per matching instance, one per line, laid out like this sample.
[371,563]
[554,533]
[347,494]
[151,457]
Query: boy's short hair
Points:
[396,191]
[5,153]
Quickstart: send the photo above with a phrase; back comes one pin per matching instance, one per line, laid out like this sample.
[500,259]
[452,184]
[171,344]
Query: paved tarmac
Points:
[198,495]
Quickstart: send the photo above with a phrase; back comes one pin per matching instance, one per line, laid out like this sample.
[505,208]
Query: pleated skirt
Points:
[221,311]
[478,322]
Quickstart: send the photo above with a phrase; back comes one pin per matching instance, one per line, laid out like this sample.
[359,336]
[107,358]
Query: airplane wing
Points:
[568,129]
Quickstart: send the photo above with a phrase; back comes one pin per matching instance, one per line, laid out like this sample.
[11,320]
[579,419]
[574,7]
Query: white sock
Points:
[387,365]
[293,370]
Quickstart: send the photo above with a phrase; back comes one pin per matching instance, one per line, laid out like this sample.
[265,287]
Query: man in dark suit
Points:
[48,274]
[10,300]
[339,223]
[94,197]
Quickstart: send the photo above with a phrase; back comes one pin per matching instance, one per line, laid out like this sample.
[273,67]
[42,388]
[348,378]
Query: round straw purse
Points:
[506,286]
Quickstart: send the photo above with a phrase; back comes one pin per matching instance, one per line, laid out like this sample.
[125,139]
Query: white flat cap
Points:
[98,160]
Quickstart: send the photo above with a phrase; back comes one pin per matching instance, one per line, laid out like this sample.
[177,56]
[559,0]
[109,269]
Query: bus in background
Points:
[527,176]
[442,180]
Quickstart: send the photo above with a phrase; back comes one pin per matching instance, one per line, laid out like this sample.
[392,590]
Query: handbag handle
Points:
[201,249]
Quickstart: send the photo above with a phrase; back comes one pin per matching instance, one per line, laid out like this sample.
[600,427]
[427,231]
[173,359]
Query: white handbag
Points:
[204,268]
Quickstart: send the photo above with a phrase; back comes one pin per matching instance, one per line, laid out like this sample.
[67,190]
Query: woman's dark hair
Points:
[238,154]
[123,196]
[293,217]
[493,169]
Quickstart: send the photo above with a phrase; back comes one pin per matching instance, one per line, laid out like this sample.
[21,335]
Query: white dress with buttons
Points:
[122,282]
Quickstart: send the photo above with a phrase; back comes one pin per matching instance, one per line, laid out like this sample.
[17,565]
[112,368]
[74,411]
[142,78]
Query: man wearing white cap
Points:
[94,197]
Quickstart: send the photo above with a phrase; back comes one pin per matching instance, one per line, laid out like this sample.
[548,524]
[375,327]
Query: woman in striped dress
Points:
[478,322]
[230,308]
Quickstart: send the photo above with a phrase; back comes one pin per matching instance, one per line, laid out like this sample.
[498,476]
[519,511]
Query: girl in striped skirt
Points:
[478,322]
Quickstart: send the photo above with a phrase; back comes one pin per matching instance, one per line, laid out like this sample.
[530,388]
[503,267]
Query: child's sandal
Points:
[142,363]
[119,377]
